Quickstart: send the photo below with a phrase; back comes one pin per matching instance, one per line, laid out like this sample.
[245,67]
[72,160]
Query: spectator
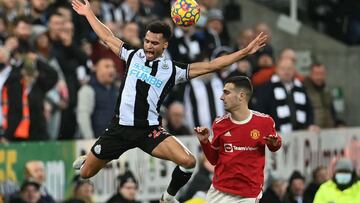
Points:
[275,192]
[320,97]
[201,100]
[3,29]
[5,70]
[284,98]
[72,61]
[38,11]
[295,190]
[23,98]
[200,183]
[127,190]
[29,193]
[184,46]
[22,30]
[320,175]
[83,191]
[131,34]
[245,36]
[343,187]
[55,24]
[12,8]
[214,35]
[97,99]
[175,122]
[58,97]
[35,171]
[268,49]
[266,68]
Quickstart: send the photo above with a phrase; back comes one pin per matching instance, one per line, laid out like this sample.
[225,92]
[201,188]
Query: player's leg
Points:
[114,142]
[89,165]
[172,149]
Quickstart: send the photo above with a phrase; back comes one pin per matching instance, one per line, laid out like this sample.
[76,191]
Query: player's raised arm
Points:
[201,68]
[100,29]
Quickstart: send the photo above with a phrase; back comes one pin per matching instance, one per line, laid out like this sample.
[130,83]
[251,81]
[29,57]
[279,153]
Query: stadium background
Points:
[311,38]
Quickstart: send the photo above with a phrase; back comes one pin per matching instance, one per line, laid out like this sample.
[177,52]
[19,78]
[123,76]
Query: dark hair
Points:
[160,28]
[28,182]
[242,82]
[55,14]
[128,176]
[19,19]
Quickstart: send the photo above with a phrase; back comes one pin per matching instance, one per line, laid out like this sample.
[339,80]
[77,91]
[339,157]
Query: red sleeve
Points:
[272,131]
[210,152]
[211,149]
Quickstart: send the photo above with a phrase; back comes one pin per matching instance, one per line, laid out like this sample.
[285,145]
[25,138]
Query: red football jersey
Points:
[238,151]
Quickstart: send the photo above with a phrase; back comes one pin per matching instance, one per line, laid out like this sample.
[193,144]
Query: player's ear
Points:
[166,44]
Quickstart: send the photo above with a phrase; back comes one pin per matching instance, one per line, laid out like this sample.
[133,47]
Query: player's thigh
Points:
[92,165]
[172,149]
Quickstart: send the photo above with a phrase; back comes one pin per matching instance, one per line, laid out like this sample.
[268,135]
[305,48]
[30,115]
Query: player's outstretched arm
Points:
[100,29]
[211,154]
[201,68]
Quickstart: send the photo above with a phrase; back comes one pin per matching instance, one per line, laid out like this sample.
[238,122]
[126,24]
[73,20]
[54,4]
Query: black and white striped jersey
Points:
[145,85]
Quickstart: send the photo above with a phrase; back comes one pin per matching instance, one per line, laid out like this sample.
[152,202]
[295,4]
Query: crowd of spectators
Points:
[58,81]
[339,19]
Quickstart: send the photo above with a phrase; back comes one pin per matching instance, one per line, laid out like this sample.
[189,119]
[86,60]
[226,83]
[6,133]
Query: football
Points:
[185,12]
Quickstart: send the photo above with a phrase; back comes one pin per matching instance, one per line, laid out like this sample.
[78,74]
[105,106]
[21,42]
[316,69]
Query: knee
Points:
[188,162]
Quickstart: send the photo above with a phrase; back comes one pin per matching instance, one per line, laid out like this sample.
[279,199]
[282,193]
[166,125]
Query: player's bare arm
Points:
[201,68]
[100,29]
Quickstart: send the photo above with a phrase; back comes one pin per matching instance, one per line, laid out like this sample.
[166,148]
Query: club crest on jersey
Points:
[165,66]
[141,55]
[255,134]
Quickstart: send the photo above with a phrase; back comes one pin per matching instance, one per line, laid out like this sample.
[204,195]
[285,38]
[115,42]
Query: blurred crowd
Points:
[58,81]
[337,182]
[338,18]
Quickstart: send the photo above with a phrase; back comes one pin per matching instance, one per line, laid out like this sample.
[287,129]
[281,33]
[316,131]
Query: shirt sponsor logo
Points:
[255,134]
[142,73]
[228,147]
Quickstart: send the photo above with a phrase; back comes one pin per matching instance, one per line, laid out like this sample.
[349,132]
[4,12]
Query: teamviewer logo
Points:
[228,147]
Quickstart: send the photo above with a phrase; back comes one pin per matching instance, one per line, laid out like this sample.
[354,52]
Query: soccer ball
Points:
[185,12]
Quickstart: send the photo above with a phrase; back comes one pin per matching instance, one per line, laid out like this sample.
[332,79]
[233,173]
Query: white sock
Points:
[167,196]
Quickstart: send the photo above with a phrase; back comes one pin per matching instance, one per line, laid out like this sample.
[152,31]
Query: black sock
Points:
[179,178]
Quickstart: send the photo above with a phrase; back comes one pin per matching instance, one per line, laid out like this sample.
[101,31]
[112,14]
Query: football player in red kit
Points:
[238,146]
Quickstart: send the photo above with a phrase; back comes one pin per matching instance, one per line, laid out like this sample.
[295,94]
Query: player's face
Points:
[231,97]
[154,45]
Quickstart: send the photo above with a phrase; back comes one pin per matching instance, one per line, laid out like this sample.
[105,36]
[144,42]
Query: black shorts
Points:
[118,138]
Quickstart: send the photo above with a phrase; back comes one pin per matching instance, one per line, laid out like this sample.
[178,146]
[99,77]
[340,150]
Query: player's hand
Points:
[202,134]
[272,140]
[80,8]
[256,44]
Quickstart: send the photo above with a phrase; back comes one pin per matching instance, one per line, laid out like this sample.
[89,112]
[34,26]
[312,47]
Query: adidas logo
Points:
[228,134]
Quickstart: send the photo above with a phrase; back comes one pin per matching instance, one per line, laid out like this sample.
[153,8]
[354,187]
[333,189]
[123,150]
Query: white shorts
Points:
[216,196]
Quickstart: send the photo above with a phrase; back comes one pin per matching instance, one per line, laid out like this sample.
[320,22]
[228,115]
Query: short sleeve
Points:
[125,51]
[215,142]
[182,72]
[272,129]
